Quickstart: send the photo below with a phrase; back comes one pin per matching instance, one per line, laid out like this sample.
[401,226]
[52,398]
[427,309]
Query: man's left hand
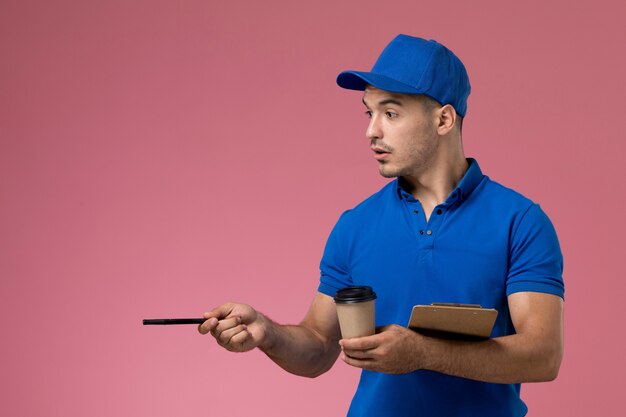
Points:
[393,350]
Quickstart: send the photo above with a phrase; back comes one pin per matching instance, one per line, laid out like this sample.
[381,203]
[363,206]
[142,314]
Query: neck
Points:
[435,183]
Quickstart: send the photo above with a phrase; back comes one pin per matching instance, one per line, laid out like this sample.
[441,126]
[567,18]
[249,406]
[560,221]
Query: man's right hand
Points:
[236,327]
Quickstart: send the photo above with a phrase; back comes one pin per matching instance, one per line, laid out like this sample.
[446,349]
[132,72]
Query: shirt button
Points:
[421,232]
[439,211]
[416,211]
[429,232]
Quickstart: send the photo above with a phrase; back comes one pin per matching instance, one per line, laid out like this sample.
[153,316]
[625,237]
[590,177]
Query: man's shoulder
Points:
[502,206]
[503,195]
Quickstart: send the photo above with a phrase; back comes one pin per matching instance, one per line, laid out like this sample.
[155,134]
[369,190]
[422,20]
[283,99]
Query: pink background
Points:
[158,158]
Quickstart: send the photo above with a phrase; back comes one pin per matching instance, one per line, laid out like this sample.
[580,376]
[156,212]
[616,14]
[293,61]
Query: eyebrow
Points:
[385,102]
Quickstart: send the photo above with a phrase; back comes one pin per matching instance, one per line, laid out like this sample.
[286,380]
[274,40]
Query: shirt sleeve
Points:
[334,266]
[536,261]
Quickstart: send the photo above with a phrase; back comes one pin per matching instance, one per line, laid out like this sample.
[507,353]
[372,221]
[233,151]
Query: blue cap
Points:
[411,65]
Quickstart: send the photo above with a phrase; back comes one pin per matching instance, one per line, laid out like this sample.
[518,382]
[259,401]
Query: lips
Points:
[379,153]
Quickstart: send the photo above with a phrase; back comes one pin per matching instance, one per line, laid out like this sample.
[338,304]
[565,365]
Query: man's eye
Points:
[391,114]
[368,113]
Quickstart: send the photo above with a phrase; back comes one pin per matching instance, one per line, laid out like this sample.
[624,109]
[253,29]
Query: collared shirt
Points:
[482,244]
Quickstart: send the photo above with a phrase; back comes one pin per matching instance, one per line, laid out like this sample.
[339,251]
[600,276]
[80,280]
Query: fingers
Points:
[356,350]
[369,343]
[220,312]
[226,329]
[363,363]
[359,351]
[216,326]
[361,355]
[240,339]
[393,350]
[208,325]
[229,333]
[232,335]
[235,327]
[214,317]
[360,343]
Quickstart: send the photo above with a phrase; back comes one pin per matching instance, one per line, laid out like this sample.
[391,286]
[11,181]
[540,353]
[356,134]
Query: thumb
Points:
[380,329]
[220,312]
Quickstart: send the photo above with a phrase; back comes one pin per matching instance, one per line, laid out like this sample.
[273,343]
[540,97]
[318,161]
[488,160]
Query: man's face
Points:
[402,132]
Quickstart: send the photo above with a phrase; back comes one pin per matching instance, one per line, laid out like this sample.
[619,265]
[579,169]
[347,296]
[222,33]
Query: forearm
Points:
[298,349]
[506,360]
[308,349]
[531,355]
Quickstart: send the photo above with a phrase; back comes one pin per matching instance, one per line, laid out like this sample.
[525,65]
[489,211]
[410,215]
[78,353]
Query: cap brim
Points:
[356,80]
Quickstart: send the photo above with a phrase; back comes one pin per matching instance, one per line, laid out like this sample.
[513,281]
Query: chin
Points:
[388,173]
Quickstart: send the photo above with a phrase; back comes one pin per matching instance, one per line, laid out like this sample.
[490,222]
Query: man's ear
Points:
[446,116]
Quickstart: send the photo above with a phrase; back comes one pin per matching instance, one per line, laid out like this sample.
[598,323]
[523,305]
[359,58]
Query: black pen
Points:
[173,321]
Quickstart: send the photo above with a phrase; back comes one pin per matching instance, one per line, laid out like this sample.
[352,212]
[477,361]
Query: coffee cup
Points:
[356,311]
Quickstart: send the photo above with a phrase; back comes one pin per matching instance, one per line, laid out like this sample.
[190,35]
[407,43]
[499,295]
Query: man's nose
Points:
[374,131]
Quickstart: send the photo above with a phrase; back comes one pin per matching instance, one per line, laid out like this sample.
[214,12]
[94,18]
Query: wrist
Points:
[269,334]
[427,352]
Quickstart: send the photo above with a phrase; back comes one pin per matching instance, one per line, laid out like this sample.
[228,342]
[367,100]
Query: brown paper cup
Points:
[356,320]
[356,311]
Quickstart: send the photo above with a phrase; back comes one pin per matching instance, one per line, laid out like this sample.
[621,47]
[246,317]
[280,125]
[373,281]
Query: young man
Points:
[440,232]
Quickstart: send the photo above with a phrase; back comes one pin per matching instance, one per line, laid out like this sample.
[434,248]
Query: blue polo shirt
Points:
[482,244]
